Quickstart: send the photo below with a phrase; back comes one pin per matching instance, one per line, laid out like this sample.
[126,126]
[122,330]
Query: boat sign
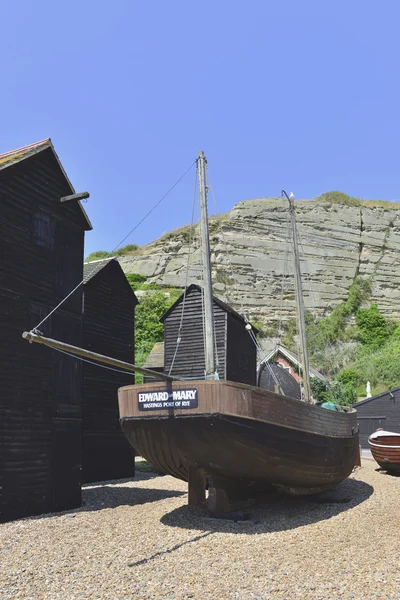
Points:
[165,399]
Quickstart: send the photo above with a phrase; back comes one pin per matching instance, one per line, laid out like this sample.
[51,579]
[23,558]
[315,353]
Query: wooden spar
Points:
[39,339]
[300,303]
[209,333]
[80,196]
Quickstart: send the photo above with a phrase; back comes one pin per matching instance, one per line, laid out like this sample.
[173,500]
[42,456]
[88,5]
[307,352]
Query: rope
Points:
[91,362]
[284,279]
[35,329]
[178,341]
[220,228]
[321,336]
[255,341]
[250,331]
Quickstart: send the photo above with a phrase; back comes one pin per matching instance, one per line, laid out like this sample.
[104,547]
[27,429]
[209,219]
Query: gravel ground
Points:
[138,539]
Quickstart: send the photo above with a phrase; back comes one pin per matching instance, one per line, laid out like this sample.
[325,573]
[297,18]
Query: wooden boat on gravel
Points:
[243,440]
[234,439]
[385,448]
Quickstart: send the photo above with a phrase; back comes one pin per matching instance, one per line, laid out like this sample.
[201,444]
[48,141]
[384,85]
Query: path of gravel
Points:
[137,539]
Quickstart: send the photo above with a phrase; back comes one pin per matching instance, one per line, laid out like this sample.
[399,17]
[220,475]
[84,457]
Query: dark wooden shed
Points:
[108,328]
[237,354]
[378,411]
[41,261]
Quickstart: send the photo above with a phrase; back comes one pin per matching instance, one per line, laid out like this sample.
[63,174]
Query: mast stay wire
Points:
[249,330]
[208,187]
[284,278]
[191,235]
[35,329]
[322,337]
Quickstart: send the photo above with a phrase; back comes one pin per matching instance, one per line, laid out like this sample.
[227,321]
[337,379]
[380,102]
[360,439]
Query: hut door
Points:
[67,463]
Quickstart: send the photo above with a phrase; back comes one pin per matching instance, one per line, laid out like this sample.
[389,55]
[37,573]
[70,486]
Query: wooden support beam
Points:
[107,360]
[80,196]
[358,456]
[197,488]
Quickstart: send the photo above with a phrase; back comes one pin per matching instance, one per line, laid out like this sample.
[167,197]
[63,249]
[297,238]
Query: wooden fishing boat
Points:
[242,439]
[385,448]
[232,438]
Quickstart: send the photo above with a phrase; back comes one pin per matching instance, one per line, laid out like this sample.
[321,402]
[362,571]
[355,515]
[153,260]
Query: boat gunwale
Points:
[221,382]
[383,446]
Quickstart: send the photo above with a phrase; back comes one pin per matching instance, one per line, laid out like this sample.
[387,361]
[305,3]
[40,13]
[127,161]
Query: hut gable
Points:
[271,375]
[290,361]
[47,164]
[378,411]
[236,352]
[108,328]
[41,256]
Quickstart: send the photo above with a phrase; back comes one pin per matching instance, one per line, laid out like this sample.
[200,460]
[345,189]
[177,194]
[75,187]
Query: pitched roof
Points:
[224,306]
[381,395]
[91,268]
[14,156]
[7,159]
[291,357]
[156,357]
[268,374]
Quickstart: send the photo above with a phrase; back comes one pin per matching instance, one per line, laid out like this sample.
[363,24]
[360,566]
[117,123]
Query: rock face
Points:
[252,256]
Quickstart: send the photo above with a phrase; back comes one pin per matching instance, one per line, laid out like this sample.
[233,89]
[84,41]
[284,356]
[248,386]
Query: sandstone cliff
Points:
[339,242]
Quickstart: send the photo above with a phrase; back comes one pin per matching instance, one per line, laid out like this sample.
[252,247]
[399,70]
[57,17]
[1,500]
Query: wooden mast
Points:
[299,302]
[209,333]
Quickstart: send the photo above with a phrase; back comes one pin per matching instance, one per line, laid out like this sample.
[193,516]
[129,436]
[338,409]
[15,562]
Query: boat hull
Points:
[243,434]
[386,451]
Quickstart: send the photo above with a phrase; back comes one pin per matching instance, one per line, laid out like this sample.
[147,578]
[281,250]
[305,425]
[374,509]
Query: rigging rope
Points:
[284,278]
[247,324]
[178,341]
[220,228]
[35,329]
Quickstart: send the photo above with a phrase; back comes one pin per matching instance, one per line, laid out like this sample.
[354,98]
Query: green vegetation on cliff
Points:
[351,346]
[154,301]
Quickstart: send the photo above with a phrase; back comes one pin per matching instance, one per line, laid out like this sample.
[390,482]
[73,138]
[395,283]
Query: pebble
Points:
[137,539]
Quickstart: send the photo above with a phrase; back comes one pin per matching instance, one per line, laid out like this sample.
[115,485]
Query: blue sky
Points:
[301,95]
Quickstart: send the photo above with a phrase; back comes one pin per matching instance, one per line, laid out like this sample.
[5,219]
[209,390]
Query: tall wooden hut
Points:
[378,411]
[108,328]
[41,258]
[236,351]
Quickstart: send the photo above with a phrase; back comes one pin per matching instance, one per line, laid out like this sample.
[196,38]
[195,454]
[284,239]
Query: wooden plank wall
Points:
[41,253]
[237,354]
[190,361]
[241,352]
[109,305]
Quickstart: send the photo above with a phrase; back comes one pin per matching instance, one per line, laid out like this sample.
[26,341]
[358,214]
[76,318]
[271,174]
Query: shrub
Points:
[340,198]
[349,377]
[373,329]
[98,255]
[135,280]
[126,250]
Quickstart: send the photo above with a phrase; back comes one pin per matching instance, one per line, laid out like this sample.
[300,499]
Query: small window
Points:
[43,230]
